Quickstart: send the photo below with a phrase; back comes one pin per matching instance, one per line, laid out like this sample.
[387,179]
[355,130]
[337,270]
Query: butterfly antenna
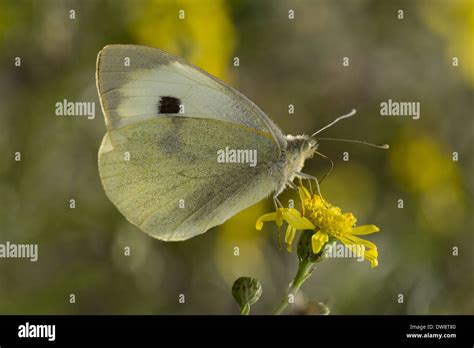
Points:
[380,146]
[350,114]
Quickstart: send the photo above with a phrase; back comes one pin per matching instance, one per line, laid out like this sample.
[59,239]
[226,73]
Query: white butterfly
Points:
[166,123]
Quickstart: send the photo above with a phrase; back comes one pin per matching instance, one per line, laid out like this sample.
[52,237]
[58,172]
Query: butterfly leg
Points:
[310,177]
[292,185]
[275,196]
[310,186]
[277,202]
[278,205]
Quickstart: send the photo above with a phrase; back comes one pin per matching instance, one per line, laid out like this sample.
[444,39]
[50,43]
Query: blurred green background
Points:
[282,62]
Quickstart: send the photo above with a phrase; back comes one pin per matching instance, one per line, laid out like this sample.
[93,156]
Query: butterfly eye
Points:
[305,146]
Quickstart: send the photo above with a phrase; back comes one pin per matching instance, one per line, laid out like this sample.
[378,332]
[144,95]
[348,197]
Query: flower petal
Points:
[351,239]
[265,218]
[318,240]
[294,218]
[279,216]
[372,258]
[289,236]
[365,229]
[370,251]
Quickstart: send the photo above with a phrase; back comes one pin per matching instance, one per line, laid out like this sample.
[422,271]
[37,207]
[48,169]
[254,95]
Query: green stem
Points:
[245,310]
[305,268]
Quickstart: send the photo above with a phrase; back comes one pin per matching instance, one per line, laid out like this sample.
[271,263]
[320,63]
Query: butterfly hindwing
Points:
[169,182]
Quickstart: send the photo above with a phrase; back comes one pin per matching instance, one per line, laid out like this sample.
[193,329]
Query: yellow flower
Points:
[327,221]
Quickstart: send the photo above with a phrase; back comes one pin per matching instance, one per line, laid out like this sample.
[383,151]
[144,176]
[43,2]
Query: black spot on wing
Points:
[168,105]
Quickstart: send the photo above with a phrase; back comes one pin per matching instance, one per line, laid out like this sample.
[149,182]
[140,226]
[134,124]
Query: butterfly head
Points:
[310,146]
[301,145]
[298,149]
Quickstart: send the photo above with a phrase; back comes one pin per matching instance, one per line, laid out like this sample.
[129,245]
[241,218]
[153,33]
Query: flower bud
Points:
[246,291]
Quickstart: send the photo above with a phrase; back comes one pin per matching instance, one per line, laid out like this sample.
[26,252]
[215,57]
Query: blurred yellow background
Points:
[282,61]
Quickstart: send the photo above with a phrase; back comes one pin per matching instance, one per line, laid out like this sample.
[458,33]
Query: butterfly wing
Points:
[137,83]
[161,169]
